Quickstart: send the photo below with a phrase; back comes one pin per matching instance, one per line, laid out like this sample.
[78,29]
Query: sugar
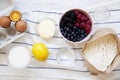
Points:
[19,57]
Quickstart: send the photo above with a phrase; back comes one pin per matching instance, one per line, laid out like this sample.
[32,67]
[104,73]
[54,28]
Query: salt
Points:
[19,57]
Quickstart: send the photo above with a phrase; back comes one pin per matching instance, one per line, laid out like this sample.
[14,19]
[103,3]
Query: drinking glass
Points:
[65,56]
[101,14]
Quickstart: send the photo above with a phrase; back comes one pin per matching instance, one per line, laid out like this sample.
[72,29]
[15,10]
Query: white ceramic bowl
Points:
[88,36]
[65,56]
[18,60]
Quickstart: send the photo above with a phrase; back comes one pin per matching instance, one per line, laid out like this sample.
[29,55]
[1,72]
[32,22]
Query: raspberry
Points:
[76,12]
[79,16]
[83,18]
[87,28]
[78,20]
[88,22]
[77,24]
[82,24]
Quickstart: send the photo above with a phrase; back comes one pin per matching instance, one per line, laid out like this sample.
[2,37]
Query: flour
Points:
[46,28]
[19,57]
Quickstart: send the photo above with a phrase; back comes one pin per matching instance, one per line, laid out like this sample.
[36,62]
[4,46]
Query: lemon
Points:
[40,51]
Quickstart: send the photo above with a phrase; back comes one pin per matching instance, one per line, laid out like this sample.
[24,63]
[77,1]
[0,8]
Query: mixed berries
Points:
[75,25]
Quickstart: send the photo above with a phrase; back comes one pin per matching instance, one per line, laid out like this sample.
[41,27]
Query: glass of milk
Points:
[19,56]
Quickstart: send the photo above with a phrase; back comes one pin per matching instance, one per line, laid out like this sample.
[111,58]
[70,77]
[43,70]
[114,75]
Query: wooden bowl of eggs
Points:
[13,26]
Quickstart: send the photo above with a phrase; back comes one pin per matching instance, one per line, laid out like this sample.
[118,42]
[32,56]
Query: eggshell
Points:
[15,15]
[21,26]
[5,21]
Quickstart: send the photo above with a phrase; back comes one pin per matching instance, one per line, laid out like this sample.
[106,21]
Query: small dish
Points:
[16,59]
[76,26]
[101,14]
[65,56]
[46,28]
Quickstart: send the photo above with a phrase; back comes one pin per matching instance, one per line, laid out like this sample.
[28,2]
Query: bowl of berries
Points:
[76,25]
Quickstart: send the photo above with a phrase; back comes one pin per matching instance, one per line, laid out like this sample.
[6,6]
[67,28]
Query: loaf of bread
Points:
[102,51]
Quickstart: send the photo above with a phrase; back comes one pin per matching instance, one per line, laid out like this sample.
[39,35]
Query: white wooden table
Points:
[33,11]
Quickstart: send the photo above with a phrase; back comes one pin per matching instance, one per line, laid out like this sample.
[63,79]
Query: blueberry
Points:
[68,38]
[74,28]
[64,28]
[72,33]
[83,36]
[61,29]
[74,40]
[64,34]
[68,35]
[86,34]
[76,32]
[71,37]
[79,30]
[82,31]
[70,30]
[67,28]
[79,39]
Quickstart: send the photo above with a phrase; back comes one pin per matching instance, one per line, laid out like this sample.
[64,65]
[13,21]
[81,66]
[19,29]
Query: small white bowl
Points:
[65,56]
[88,36]
[45,26]
[11,57]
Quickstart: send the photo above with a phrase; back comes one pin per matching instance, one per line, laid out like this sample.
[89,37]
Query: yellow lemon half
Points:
[40,51]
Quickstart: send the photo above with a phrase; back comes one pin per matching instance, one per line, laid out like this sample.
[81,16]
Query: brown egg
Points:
[5,21]
[21,26]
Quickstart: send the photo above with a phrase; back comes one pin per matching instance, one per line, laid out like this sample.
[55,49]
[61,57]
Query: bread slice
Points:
[101,51]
